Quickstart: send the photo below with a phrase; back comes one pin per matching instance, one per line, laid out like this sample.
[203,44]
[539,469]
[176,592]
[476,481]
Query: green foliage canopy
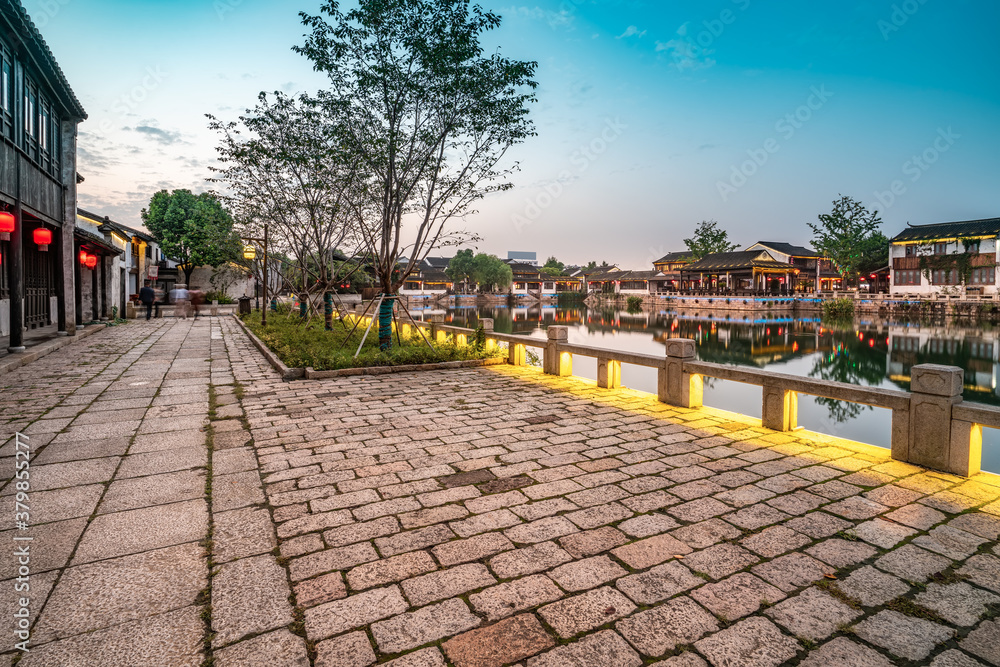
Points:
[194,230]
[850,236]
[708,239]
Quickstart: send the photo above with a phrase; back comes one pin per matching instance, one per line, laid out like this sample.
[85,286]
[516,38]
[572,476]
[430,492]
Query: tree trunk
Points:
[328,310]
[385,324]
[188,270]
[303,304]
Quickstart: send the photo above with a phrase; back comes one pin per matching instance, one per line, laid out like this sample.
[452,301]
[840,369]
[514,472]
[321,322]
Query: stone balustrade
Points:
[931,425]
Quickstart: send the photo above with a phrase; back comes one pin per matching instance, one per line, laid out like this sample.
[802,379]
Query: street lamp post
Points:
[250,252]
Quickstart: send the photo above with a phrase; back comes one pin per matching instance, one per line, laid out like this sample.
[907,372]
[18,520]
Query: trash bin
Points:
[244,305]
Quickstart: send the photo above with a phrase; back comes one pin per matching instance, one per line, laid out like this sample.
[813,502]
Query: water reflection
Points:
[869,352]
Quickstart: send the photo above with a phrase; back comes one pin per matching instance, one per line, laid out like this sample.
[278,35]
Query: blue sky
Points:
[652,116]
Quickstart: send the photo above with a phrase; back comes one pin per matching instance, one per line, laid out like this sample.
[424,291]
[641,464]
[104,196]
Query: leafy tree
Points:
[849,235]
[490,272]
[708,239]
[590,266]
[553,267]
[193,230]
[874,253]
[284,164]
[461,266]
[429,118]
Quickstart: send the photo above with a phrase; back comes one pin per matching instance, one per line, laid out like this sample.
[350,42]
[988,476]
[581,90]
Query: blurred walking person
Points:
[179,297]
[147,297]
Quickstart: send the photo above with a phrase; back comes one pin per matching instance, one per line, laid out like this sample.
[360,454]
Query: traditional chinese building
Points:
[751,270]
[928,259]
[39,115]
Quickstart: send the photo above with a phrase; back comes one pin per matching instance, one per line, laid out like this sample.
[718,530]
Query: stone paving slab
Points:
[469,517]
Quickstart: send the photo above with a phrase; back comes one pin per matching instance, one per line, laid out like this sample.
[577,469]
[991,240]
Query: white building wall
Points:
[925,288]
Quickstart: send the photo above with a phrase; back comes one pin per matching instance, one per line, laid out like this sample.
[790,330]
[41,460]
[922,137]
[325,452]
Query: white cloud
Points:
[686,54]
[631,31]
[560,19]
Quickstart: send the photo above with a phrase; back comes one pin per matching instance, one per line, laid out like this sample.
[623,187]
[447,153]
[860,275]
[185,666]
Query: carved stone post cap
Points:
[486,323]
[936,380]
[558,333]
[681,348]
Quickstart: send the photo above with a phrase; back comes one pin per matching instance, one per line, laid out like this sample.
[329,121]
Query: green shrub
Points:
[838,309]
[221,297]
[300,343]
[633,304]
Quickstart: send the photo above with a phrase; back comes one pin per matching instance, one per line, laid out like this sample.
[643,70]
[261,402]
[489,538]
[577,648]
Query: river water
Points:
[871,353]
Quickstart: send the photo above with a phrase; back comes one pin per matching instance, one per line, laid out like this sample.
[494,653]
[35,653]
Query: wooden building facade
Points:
[39,115]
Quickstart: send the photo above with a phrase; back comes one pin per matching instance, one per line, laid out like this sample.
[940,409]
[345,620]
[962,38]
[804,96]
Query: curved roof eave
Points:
[46,61]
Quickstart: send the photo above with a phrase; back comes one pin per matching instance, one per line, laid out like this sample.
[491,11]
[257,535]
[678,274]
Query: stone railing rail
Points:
[931,425]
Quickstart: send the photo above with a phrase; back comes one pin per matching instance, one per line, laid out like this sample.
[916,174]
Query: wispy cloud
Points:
[555,19]
[685,52]
[631,31]
[165,137]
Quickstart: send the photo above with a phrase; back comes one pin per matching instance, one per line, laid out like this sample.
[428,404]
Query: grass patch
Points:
[299,344]
[911,608]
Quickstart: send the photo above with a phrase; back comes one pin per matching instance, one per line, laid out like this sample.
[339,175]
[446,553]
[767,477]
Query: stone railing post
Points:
[676,386]
[486,323]
[555,362]
[609,373]
[780,408]
[516,354]
[935,390]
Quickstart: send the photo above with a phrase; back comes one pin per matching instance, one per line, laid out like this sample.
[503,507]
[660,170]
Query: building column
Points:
[104,288]
[60,278]
[69,275]
[77,309]
[16,343]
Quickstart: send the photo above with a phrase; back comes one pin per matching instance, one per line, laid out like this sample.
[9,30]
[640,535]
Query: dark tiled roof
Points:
[93,239]
[950,230]
[788,249]
[734,261]
[24,26]
[674,257]
[437,262]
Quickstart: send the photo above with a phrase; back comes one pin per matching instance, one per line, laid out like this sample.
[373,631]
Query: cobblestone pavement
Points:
[469,518]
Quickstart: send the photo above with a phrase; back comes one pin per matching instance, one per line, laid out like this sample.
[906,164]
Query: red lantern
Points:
[6,225]
[42,237]
[91,261]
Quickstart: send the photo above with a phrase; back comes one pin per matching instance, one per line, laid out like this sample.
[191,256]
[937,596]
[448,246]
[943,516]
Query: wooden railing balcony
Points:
[913,263]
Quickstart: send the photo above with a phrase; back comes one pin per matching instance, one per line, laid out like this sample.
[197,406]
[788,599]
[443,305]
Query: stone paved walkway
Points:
[468,518]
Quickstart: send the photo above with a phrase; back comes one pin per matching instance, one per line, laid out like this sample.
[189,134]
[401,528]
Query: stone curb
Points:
[409,368]
[310,374]
[286,372]
[36,352]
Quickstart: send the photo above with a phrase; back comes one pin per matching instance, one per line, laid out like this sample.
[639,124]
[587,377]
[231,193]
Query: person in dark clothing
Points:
[147,296]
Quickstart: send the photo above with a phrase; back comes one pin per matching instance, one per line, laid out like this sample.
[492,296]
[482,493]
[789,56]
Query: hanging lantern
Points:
[6,225]
[42,237]
[91,261]
[83,258]
[249,252]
